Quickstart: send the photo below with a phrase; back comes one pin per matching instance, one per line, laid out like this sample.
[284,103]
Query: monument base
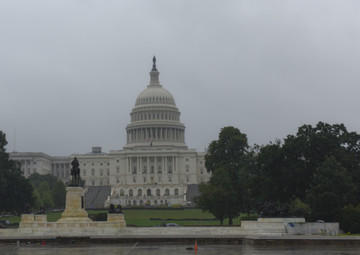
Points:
[75,206]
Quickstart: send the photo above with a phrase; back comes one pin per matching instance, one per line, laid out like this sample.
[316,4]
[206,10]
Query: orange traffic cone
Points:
[196,246]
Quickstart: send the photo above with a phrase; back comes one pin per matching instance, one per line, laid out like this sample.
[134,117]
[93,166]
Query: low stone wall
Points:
[313,228]
[37,225]
[115,226]
[283,220]
[263,228]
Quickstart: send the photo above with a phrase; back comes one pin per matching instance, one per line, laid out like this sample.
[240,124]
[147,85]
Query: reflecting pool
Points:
[162,248]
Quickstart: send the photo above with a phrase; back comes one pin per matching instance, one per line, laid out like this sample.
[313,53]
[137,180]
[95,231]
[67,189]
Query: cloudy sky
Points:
[70,70]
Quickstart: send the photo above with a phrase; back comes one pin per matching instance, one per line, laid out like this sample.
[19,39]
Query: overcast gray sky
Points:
[70,70]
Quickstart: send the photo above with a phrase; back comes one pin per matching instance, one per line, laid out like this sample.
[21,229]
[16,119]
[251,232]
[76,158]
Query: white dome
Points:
[155,94]
[155,119]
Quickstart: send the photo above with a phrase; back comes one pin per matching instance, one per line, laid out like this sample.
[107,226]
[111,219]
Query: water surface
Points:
[161,248]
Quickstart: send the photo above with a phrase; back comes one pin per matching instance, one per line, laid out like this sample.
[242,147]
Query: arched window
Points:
[176,192]
[148,192]
[134,202]
[167,192]
[139,192]
[158,192]
[141,202]
[131,192]
[122,192]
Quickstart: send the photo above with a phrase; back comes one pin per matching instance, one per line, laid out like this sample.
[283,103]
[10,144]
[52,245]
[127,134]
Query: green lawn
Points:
[141,218]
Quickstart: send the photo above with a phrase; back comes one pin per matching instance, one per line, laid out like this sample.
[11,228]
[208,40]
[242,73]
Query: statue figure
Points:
[154,64]
[75,172]
[112,208]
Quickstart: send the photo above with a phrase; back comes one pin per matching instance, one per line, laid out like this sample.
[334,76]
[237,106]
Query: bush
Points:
[98,217]
[299,208]
[350,219]
[249,217]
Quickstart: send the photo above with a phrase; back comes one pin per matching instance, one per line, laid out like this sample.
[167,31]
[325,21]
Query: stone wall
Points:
[313,228]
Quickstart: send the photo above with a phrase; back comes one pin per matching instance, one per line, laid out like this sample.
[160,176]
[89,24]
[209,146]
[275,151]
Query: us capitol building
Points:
[155,167]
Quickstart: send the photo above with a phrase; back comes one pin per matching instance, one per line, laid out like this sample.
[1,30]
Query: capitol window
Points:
[139,192]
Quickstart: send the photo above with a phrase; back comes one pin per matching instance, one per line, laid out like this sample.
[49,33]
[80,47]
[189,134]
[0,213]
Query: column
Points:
[163,165]
[138,165]
[155,165]
[173,163]
[128,164]
[148,165]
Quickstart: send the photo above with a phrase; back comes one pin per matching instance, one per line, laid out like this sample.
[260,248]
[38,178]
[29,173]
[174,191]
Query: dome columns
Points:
[147,135]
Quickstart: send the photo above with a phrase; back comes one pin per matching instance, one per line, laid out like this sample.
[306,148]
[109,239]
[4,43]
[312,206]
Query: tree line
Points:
[17,192]
[315,173]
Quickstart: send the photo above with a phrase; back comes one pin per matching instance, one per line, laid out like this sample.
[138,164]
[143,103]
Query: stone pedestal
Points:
[75,206]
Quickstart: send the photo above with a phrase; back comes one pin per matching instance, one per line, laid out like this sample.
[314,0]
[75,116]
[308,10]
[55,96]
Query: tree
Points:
[224,195]
[289,170]
[15,189]
[330,190]
[55,190]
[58,194]
[45,195]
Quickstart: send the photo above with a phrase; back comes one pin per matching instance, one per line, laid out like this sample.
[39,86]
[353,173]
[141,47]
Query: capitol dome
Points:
[155,95]
[155,119]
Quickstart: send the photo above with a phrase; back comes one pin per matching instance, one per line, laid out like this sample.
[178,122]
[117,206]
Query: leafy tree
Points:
[299,208]
[15,190]
[58,193]
[224,195]
[350,219]
[37,179]
[55,191]
[211,200]
[290,169]
[330,190]
[45,195]
[37,199]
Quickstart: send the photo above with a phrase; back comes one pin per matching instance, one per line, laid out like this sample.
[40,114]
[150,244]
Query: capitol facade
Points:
[154,168]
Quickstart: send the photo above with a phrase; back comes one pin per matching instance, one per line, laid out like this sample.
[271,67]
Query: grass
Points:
[141,218]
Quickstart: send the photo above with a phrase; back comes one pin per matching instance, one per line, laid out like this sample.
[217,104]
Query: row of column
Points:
[155,134]
[140,164]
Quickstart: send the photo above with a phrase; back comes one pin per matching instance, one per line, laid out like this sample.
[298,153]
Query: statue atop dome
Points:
[154,64]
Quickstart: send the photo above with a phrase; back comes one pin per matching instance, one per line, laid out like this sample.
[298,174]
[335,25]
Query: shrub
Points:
[350,219]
